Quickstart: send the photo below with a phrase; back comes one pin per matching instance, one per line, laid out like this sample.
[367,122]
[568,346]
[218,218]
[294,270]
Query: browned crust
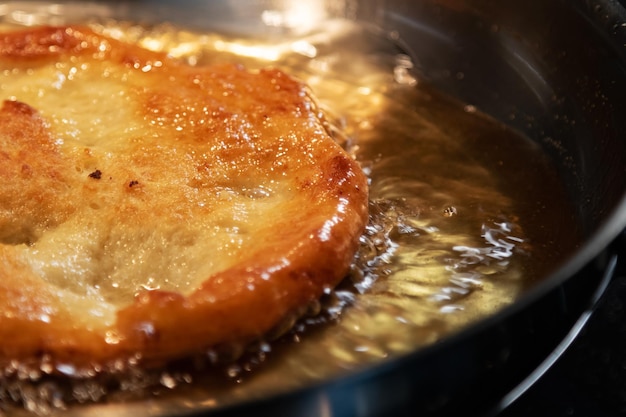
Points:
[305,250]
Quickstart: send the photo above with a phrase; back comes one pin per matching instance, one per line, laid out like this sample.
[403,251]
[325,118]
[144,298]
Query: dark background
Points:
[589,379]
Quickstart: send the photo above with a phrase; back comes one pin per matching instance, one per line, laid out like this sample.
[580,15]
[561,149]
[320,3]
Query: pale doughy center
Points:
[93,253]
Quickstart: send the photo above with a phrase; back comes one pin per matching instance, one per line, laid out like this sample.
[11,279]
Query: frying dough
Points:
[152,207]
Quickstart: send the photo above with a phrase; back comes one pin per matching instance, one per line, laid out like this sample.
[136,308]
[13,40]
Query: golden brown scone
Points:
[152,207]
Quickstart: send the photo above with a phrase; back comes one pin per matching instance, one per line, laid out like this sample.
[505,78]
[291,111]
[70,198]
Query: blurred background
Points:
[589,380]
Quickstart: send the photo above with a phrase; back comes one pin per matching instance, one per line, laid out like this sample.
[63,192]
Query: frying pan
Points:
[523,63]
